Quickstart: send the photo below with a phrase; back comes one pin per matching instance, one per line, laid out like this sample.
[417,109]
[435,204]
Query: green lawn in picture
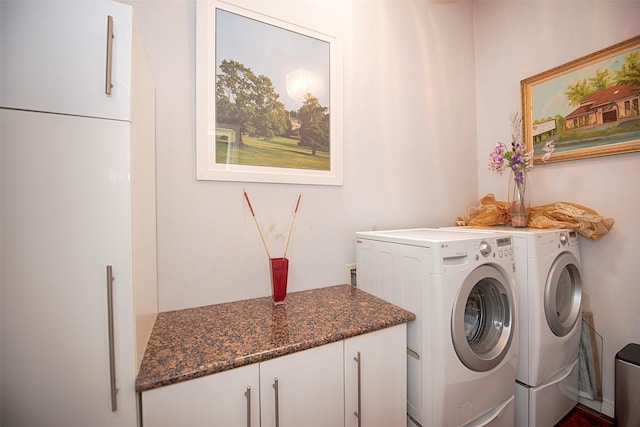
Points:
[279,152]
[602,135]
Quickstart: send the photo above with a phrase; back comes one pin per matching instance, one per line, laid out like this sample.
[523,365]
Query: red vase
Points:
[279,274]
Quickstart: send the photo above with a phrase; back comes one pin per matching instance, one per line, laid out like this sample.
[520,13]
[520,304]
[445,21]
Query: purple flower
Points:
[518,174]
[517,159]
[497,158]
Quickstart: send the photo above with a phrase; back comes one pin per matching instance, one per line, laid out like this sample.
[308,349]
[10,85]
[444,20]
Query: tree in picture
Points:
[249,100]
[314,127]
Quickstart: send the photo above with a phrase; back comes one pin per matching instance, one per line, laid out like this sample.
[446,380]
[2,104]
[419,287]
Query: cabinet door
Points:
[376,378]
[309,388]
[224,399]
[53,57]
[65,204]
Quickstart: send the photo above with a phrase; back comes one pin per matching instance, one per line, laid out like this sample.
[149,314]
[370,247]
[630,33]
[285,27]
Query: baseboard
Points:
[608,408]
[605,407]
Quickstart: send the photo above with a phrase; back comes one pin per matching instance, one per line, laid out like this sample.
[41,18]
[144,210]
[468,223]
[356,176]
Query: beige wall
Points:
[516,40]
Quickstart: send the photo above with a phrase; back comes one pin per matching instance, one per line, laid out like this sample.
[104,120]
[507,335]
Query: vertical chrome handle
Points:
[108,85]
[358,413]
[112,354]
[275,386]
[248,396]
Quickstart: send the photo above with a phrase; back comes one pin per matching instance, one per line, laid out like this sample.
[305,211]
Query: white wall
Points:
[409,148]
[516,40]
[412,154]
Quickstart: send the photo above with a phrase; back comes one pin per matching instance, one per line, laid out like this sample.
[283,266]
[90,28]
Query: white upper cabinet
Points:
[54,57]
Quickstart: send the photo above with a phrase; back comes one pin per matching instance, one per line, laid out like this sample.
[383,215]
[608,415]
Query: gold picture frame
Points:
[589,107]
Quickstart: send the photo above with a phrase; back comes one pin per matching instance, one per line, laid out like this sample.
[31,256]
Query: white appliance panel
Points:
[500,416]
[547,388]
[425,277]
[461,393]
[425,237]
[547,404]
[548,352]
[390,271]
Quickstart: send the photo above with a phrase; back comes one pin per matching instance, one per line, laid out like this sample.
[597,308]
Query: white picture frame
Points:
[227,151]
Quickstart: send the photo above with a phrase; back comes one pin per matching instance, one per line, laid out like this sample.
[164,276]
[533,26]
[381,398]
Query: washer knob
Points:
[564,239]
[485,248]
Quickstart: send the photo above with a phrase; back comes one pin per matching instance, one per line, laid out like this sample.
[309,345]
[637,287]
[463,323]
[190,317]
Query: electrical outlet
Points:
[350,274]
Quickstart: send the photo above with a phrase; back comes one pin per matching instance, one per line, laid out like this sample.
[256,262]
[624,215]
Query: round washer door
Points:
[563,294]
[482,319]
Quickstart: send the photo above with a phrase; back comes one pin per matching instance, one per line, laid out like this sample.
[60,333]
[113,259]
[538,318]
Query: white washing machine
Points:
[549,281]
[461,348]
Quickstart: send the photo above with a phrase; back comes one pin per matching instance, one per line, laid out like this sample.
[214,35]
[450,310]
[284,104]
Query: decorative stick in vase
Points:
[246,196]
[291,228]
[279,266]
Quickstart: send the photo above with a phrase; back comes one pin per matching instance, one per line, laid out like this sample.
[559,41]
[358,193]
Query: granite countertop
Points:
[195,342]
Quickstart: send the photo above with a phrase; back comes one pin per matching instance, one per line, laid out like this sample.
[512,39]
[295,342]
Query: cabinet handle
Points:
[275,387]
[108,85]
[413,353]
[358,413]
[112,355]
[248,396]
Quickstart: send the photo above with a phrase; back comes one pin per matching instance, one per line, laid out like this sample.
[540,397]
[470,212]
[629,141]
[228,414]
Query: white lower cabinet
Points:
[303,389]
[375,386]
[315,387]
[230,398]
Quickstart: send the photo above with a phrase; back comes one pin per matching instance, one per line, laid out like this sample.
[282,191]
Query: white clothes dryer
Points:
[549,282]
[461,348]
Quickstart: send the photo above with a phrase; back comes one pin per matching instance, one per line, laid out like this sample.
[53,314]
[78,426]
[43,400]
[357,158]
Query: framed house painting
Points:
[589,107]
[268,99]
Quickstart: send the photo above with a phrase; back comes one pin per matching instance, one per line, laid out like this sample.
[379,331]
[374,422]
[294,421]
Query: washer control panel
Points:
[568,239]
[485,248]
[495,247]
[505,247]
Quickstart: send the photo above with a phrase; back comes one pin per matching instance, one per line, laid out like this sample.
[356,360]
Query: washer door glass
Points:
[482,319]
[563,294]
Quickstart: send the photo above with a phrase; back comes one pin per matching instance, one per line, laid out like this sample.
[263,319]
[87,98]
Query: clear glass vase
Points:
[519,200]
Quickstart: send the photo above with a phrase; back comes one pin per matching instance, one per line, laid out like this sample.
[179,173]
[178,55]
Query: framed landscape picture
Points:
[268,99]
[589,107]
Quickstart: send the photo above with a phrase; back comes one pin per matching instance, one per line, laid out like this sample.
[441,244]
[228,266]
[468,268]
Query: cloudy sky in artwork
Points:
[548,97]
[274,51]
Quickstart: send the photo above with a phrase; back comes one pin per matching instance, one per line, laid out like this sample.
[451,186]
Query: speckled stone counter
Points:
[195,342]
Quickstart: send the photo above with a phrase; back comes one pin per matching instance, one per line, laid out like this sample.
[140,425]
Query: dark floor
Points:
[581,416]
